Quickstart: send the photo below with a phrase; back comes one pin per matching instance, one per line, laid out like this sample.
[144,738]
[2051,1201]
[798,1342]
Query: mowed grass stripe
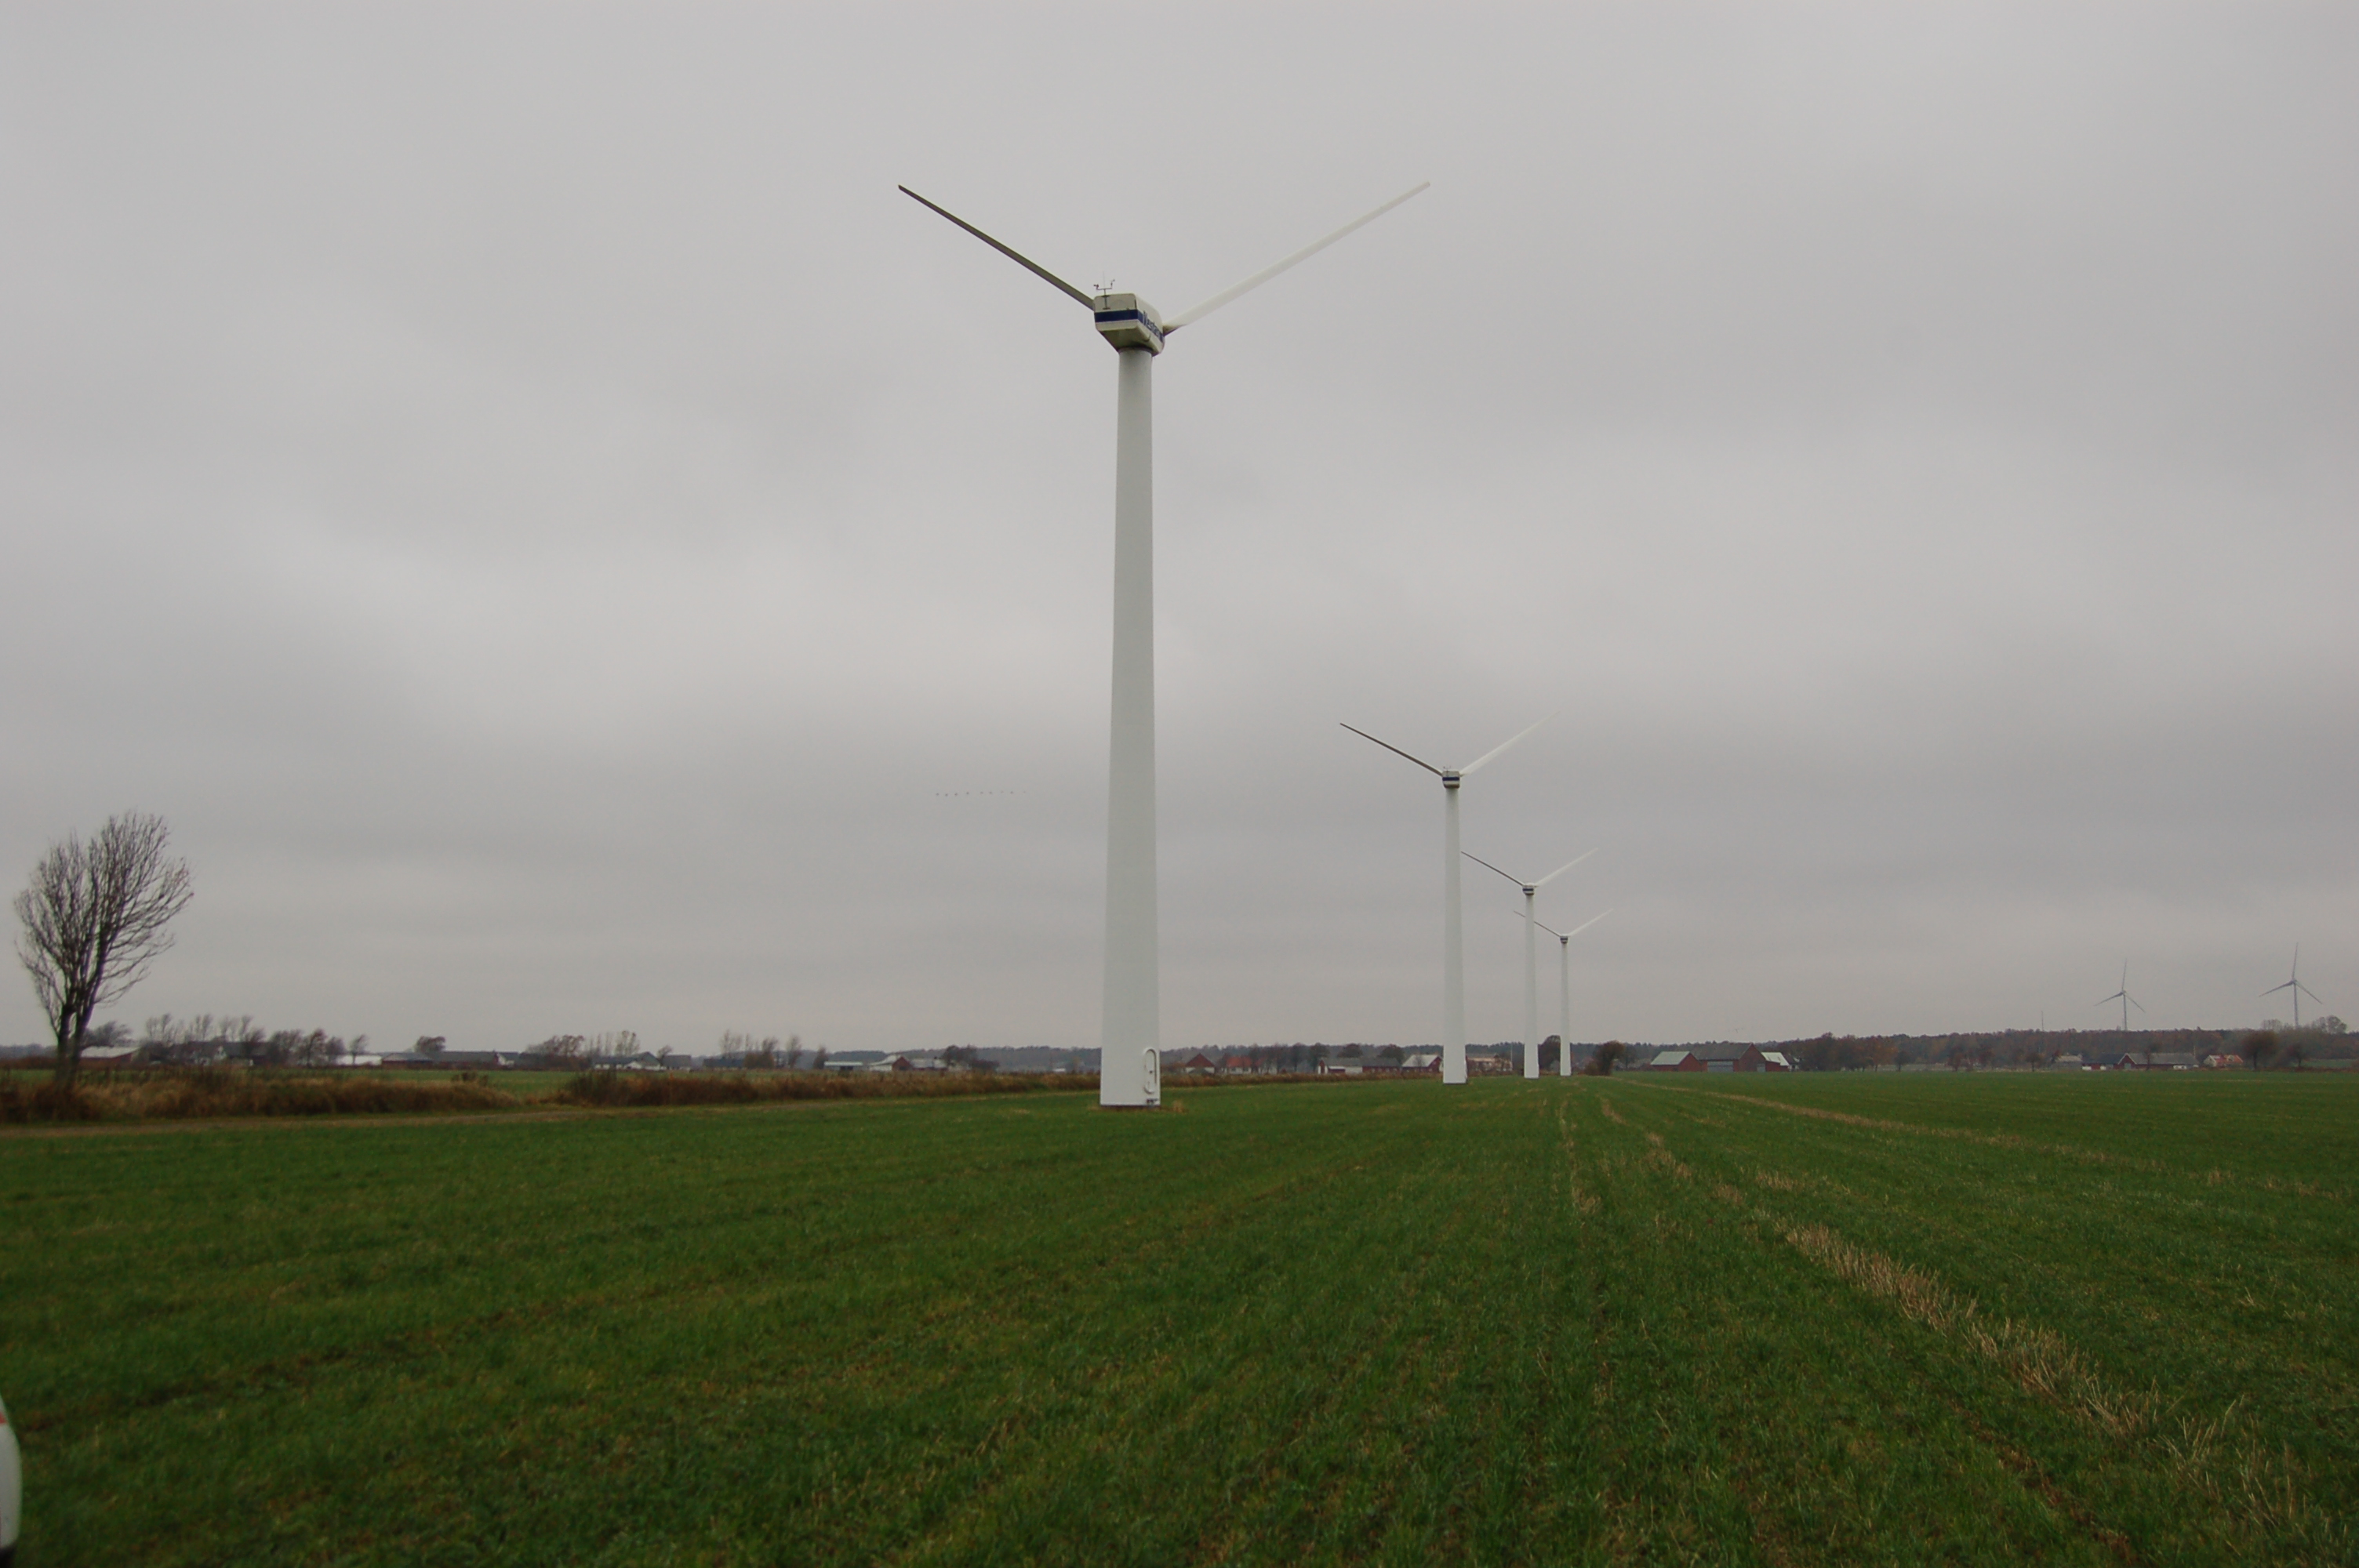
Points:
[2296,1129]
[2199,1438]
[1752,1431]
[1980,1431]
[2220,1294]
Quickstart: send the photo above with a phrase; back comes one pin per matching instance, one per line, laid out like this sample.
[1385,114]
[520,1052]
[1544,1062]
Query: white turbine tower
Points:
[2295,986]
[1564,989]
[2124,997]
[1131,1027]
[1453,933]
[1531,961]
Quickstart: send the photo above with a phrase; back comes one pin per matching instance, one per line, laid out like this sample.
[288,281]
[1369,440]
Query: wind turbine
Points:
[2295,986]
[1564,989]
[1453,934]
[1131,1026]
[2124,997]
[1531,964]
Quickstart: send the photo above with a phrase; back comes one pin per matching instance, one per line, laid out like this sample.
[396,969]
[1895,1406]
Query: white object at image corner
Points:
[12,1489]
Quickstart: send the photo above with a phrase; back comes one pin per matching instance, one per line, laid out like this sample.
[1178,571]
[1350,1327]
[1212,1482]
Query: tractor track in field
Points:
[2017,1143]
[2269,1500]
[1925,1302]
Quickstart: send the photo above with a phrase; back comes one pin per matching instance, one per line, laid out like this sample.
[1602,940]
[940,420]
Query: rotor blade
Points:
[1552,930]
[2309,993]
[1562,870]
[1502,745]
[1016,256]
[1588,922]
[1197,313]
[1396,750]
[2136,1003]
[2274,990]
[2104,1000]
[1487,866]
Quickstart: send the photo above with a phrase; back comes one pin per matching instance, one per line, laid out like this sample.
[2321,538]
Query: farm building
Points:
[2141,1061]
[1742,1059]
[909,1062]
[1717,1059]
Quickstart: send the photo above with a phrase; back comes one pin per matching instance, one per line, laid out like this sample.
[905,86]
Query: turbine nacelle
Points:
[1126,321]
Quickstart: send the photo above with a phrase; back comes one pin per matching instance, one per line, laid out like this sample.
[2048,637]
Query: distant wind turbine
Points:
[1531,969]
[2124,997]
[1131,1028]
[1564,989]
[1453,934]
[2295,986]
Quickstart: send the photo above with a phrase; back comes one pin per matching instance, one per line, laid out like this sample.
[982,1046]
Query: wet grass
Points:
[1812,1319]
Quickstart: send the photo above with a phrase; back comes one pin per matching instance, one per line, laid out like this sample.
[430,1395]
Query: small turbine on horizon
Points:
[2295,986]
[2124,997]
[1531,964]
[1564,988]
[1453,932]
[1131,1027]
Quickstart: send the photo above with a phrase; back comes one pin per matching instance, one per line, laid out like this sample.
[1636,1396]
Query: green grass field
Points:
[1710,1319]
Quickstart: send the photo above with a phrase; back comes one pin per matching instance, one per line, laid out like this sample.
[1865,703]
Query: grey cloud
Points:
[544,518]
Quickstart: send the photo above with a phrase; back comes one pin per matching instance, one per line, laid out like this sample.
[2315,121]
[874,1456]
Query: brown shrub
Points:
[44,1102]
[614,1088]
[168,1095]
[182,1094]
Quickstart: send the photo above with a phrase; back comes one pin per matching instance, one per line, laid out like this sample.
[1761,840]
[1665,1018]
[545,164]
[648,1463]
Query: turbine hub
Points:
[1449,780]
[1129,322]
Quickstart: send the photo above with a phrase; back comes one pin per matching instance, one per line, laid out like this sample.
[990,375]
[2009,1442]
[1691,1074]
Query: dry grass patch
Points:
[2221,1459]
[210,1092]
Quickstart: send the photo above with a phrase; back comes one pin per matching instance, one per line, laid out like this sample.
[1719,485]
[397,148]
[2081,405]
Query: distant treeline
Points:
[207,1041]
[210,1041]
[2044,1047]
[2278,1045]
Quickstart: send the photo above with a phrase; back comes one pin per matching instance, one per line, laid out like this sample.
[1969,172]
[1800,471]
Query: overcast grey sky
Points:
[564,543]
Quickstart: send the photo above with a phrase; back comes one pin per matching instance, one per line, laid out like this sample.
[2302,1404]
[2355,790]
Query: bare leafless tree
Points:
[95,918]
